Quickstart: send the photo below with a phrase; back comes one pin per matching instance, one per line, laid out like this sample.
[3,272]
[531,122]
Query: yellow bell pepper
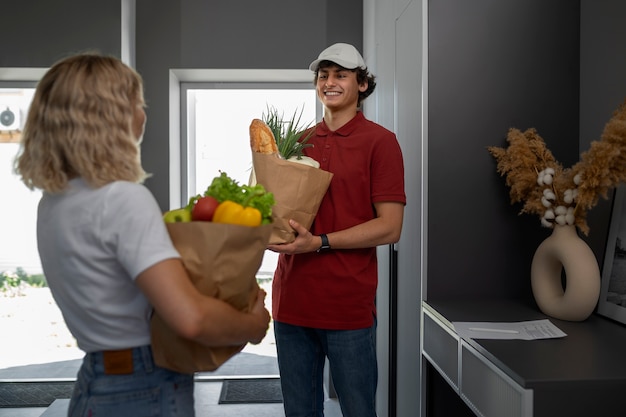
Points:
[234,213]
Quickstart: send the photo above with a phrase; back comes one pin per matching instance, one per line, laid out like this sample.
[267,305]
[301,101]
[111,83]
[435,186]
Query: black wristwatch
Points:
[325,245]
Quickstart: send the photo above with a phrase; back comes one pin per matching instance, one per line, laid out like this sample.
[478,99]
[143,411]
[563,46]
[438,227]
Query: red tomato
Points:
[204,208]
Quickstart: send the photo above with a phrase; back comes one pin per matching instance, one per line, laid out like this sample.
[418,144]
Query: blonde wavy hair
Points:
[80,125]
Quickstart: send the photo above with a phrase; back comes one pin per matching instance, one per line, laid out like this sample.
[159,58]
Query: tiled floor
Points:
[207,391]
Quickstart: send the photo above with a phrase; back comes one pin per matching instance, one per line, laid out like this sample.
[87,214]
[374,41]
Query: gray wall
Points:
[37,33]
[553,65]
[488,71]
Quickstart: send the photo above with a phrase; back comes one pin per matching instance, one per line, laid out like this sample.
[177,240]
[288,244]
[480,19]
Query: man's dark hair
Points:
[362,75]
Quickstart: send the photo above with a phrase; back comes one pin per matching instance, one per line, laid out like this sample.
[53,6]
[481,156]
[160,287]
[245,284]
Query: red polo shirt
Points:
[336,289]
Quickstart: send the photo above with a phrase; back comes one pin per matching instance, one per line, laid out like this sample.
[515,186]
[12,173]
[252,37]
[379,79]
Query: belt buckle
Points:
[118,362]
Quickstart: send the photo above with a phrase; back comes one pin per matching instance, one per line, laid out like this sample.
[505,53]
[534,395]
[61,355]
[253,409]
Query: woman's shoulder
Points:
[129,193]
[127,187]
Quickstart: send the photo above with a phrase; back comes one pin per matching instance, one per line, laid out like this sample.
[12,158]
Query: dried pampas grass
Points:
[558,195]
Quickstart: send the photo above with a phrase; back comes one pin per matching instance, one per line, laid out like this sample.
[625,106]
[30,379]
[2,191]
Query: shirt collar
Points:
[345,130]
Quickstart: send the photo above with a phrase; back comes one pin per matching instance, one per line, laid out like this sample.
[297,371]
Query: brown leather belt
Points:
[118,362]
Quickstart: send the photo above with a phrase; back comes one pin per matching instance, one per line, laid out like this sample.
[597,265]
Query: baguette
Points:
[261,138]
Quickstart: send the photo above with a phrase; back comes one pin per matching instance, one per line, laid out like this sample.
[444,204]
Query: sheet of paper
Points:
[526,330]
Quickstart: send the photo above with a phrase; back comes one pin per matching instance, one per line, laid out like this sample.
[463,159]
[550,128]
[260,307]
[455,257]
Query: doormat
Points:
[247,391]
[33,394]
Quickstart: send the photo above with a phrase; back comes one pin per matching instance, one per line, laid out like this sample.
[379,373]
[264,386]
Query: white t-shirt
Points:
[93,243]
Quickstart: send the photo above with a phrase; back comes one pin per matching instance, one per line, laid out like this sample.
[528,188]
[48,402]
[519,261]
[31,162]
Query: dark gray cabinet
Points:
[582,374]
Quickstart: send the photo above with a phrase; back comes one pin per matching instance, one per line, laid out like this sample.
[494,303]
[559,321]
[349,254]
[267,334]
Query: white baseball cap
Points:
[342,54]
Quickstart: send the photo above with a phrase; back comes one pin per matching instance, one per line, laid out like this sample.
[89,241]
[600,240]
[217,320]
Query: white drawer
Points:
[488,390]
[440,345]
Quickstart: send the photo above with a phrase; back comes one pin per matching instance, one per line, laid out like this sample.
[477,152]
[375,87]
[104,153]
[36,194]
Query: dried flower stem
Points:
[557,195]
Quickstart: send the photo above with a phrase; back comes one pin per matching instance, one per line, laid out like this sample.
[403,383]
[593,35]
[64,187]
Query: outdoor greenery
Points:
[10,281]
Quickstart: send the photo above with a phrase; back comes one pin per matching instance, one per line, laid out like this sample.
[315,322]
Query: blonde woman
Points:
[104,248]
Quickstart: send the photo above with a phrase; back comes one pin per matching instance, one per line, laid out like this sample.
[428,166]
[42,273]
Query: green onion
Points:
[290,136]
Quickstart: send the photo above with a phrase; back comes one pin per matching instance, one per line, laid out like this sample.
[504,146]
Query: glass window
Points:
[18,210]
[24,303]
[218,120]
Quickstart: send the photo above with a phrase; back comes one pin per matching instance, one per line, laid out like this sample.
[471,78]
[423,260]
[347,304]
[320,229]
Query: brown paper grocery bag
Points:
[222,261]
[298,191]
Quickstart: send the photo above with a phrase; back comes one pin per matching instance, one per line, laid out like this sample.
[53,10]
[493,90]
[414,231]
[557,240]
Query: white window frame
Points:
[182,79]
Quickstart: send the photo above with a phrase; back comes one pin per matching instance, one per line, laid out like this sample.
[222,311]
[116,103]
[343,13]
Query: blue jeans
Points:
[351,355]
[150,391]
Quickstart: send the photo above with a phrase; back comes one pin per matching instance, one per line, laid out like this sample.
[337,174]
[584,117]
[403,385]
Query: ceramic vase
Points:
[564,249]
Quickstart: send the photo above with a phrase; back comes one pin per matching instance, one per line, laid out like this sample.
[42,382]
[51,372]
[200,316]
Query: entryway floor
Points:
[207,388]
